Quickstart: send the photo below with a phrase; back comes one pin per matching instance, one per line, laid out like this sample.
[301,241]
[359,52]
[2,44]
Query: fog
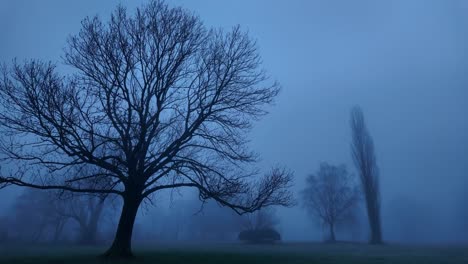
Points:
[404,62]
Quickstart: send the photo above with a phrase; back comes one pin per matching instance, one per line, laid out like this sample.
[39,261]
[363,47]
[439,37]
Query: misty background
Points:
[404,62]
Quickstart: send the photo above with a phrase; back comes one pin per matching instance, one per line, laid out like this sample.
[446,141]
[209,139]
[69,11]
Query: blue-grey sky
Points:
[405,62]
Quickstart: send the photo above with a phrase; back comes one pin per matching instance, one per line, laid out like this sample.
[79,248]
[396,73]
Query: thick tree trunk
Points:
[122,245]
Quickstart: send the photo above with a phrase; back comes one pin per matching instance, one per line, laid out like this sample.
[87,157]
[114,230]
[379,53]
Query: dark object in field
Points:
[265,235]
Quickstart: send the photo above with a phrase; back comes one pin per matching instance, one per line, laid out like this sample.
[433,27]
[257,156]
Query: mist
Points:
[403,62]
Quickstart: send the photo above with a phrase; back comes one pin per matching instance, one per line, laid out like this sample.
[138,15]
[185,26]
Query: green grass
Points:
[295,253]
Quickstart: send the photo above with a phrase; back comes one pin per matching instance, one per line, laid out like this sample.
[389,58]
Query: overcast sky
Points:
[405,62]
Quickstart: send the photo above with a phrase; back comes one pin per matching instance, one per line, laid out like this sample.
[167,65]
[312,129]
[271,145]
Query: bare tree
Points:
[157,101]
[259,227]
[35,217]
[330,195]
[86,211]
[362,150]
[51,211]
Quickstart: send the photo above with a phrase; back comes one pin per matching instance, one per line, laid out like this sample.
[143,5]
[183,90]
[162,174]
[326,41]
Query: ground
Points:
[295,253]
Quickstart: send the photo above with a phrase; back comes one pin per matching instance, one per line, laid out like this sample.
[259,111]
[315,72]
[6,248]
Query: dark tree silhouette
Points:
[157,101]
[362,150]
[330,195]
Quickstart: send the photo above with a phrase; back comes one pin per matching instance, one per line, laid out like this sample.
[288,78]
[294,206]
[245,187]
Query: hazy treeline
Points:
[38,217]
[51,217]
[334,199]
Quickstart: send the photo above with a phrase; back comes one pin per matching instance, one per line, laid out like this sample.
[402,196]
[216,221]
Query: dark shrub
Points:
[265,235]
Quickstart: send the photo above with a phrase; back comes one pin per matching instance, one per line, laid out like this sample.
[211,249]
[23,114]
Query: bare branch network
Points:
[155,101]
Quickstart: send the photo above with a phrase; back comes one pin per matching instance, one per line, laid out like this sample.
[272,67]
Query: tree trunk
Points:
[376,230]
[122,245]
[332,233]
[373,214]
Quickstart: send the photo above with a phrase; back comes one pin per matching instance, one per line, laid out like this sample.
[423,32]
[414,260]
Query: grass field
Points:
[245,254]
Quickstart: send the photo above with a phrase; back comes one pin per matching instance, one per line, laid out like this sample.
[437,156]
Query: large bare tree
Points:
[363,153]
[330,195]
[153,98]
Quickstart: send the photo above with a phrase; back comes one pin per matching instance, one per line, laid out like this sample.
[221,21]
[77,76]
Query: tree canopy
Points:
[153,100]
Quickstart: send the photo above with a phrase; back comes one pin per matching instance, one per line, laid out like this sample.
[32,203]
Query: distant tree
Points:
[363,153]
[261,219]
[52,211]
[157,101]
[35,216]
[211,222]
[178,221]
[86,211]
[259,227]
[331,195]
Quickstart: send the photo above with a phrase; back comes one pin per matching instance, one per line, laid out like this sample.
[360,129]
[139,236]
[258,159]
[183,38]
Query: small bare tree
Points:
[330,195]
[363,153]
[157,101]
